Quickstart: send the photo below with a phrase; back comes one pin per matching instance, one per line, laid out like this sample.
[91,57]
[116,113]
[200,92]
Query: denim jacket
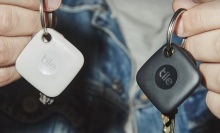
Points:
[97,101]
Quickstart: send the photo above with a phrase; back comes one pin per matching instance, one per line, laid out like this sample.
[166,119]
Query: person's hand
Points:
[19,21]
[201,24]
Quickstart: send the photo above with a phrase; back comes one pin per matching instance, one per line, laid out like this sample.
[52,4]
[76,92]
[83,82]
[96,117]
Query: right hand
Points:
[19,21]
[201,25]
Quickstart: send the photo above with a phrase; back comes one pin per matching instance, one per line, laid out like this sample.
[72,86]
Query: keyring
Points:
[169,50]
[42,17]
[183,43]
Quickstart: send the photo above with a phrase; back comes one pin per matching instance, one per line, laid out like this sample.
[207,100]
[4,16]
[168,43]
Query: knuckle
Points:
[4,52]
[218,79]
[36,25]
[31,3]
[196,19]
[218,112]
[5,76]
[216,47]
[191,48]
[8,18]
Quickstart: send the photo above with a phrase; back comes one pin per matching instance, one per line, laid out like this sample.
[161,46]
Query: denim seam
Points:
[115,39]
[133,115]
[134,120]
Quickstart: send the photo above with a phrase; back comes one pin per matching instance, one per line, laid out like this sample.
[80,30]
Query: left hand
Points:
[201,25]
[19,21]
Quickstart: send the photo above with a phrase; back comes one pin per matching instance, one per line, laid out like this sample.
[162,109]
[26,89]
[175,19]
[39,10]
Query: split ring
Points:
[169,49]
[42,17]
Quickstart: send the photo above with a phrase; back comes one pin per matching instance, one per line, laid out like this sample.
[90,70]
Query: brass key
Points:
[168,122]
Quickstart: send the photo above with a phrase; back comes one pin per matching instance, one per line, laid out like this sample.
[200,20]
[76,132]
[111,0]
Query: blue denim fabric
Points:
[54,124]
[88,25]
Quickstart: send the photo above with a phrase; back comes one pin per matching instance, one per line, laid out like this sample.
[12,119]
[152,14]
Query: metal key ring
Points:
[171,29]
[42,17]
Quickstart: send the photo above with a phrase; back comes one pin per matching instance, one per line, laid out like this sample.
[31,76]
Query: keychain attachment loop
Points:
[42,17]
[169,50]
[51,19]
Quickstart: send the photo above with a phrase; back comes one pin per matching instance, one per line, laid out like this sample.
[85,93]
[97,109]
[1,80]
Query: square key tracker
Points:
[49,66]
[168,81]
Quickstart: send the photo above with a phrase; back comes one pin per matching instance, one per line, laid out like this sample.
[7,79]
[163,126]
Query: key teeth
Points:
[45,100]
[169,122]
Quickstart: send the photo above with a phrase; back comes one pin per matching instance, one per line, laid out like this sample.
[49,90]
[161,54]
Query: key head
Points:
[168,81]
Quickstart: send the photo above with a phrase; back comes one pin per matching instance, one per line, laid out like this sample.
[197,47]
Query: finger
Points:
[211,76]
[212,101]
[50,5]
[8,75]
[201,1]
[205,47]
[187,4]
[201,18]
[17,21]
[10,48]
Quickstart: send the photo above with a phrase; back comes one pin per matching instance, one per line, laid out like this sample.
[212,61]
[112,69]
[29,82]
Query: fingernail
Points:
[179,31]
[53,4]
[207,98]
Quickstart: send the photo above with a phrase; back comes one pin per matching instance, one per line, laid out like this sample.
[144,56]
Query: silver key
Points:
[45,100]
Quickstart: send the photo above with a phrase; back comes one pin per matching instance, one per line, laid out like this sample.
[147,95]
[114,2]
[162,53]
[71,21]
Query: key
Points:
[168,122]
[45,99]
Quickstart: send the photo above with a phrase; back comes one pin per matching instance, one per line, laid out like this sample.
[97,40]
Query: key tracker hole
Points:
[168,52]
[46,38]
